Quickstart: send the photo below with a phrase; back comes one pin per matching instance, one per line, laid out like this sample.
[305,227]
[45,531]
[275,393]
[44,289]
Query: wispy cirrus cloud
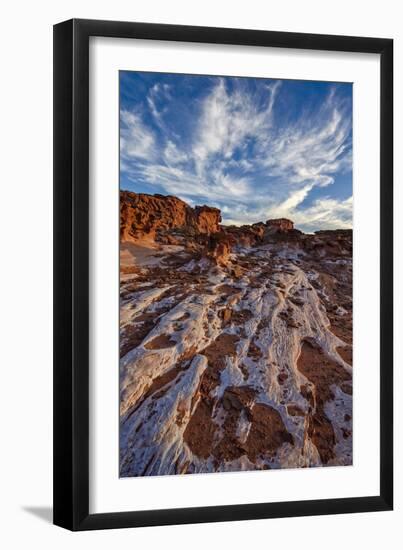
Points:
[137,141]
[255,148]
[228,120]
[173,155]
[313,148]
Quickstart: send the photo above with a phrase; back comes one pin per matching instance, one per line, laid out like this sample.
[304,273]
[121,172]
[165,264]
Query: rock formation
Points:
[150,215]
[280,225]
[236,342]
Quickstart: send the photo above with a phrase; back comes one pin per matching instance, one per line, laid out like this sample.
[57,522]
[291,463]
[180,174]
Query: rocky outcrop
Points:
[207,219]
[168,220]
[241,363]
[330,242]
[280,225]
[157,215]
[219,248]
[246,235]
[264,233]
[235,342]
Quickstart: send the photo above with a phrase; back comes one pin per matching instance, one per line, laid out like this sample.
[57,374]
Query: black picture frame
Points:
[71,274]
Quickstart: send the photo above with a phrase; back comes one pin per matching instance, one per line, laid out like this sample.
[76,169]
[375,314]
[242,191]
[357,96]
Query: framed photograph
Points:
[223,321]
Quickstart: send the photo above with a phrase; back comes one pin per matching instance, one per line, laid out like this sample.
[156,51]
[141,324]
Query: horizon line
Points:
[232,224]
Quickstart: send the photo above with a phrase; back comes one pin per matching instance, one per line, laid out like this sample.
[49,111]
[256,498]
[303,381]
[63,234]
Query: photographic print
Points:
[235,274]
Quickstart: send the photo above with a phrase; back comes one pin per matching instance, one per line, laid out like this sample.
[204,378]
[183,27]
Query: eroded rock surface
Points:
[236,344]
[281,225]
[142,214]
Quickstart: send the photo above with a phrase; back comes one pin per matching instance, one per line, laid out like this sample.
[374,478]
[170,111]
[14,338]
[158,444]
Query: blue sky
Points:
[255,148]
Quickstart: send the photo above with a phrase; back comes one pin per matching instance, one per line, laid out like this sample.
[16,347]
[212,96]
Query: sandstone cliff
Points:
[154,215]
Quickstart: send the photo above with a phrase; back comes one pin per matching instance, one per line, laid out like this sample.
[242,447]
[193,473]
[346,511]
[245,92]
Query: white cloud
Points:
[325,214]
[179,181]
[291,203]
[159,93]
[173,155]
[312,150]
[136,139]
[227,120]
[239,158]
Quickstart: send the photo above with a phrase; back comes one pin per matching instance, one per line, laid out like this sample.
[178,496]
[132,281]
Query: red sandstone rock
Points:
[219,248]
[169,220]
[280,225]
[193,322]
[208,219]
[146,215]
